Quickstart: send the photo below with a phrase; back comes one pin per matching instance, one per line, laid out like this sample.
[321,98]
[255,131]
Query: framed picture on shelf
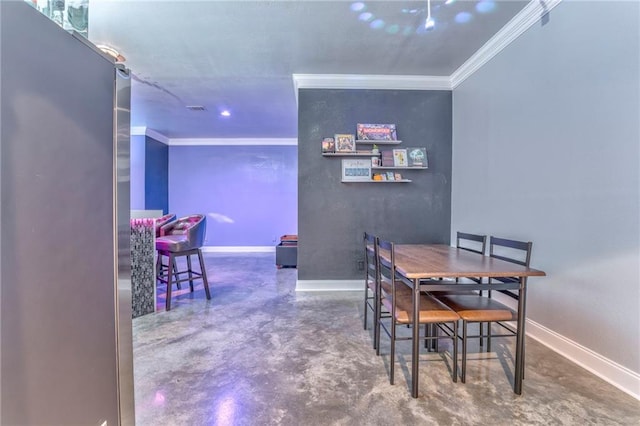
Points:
[376,132]
[345,143]
[328,145]
[400,158]
[356,170]
[417,157]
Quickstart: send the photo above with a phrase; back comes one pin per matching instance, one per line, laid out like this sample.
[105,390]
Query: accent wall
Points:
[334,215]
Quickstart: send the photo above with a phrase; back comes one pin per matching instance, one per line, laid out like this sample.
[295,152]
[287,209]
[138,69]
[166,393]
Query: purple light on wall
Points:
[249,193]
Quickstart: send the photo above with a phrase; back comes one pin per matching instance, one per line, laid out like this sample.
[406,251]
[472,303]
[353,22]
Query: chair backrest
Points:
[386,268]
[513,251]
[161,221]
[370,258]
[193,226]
[471,242]
[474,243]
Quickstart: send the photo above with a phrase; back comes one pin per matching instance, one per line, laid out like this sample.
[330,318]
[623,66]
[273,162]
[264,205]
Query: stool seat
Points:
[173,243]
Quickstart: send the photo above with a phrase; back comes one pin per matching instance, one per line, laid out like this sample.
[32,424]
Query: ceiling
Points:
[240,55]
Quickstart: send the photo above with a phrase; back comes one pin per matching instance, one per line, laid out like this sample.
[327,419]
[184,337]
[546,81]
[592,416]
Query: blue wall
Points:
[249,193]
[156,175]
[138,147]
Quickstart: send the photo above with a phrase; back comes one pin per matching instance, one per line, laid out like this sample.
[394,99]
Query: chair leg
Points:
[366,307]
[455,351]
[489,337]
[203,271]
[392,360]
[376,321]
[174,270]
[464,351]
[189,271]
[377,324]
[169,279]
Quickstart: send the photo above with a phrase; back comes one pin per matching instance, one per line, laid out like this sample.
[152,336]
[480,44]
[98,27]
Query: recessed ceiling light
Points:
[225,113]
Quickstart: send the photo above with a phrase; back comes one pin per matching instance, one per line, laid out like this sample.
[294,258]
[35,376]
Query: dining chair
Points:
[370,281]
[484,309]
[397,298]
[182,237]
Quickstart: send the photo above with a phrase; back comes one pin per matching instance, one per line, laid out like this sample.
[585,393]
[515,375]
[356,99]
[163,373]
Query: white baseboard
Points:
[238,249]
[621,377]
[330,285]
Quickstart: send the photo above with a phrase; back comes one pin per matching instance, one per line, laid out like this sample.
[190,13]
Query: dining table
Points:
[435,267]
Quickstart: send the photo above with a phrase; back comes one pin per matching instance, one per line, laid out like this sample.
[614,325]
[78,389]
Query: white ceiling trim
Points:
[527,17]
[364,81]
[232,141]
[138,130]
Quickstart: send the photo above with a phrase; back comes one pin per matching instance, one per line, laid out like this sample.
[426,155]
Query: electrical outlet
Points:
[360,264]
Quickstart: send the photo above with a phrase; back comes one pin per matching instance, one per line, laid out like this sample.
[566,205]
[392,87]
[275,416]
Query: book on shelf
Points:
[417,157]
[391,176]
[398,176]
[387,158]
[328,145]
[345,143]
[400,157]
[376,132]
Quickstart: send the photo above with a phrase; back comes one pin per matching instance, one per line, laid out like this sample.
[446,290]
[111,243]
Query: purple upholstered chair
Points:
[182,237]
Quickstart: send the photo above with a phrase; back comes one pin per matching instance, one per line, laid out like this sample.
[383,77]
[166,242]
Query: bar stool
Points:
[182,237]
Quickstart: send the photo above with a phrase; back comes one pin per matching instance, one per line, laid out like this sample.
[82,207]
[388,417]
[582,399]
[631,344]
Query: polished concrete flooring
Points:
[258,353]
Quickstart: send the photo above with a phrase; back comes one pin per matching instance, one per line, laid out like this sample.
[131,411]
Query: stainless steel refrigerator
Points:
[65,292]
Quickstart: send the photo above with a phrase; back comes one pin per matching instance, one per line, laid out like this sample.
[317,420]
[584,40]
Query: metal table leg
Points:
[416,338]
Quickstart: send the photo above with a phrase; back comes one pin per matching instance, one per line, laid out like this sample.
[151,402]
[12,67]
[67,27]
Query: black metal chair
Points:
[370,281]
[182,237]
[397,298]
[484,309]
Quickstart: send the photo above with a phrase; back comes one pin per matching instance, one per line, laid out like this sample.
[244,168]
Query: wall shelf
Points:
[350,154]
[377,181]
[398,168]
[370,142]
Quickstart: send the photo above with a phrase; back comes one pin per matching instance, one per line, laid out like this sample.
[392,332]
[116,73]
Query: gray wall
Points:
[58,330]
[332,215]
[546,148]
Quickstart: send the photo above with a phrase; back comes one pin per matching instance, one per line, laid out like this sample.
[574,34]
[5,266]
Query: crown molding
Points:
[232,141]
[527,17]
[138,130]
[368,81]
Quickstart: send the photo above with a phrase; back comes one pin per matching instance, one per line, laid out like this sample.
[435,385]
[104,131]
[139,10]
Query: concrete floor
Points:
[258,353]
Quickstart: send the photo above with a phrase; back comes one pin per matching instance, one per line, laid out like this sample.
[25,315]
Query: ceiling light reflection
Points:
[358,6]
[377,24]
[463,17]
[366,16]
[485,6]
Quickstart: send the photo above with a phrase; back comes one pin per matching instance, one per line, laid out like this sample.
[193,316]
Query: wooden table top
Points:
[423,261]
